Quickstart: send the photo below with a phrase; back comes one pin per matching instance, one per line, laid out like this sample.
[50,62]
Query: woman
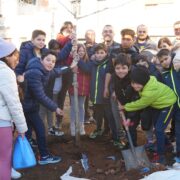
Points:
[10,107]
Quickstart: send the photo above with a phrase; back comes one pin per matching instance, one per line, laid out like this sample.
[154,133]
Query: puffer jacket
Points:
[36,80]
[10,106]
[153,94]
[26,53]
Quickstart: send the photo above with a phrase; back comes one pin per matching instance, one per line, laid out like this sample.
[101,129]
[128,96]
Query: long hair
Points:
[85,58]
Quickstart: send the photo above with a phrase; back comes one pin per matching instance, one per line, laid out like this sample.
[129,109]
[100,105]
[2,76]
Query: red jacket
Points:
[83,80]
[62,39]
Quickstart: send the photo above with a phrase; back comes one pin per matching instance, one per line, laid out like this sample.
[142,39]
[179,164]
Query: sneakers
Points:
[96,133]
[55,132]
[119,144]
[15,174]
[176,165]
[49,159]
[32,142]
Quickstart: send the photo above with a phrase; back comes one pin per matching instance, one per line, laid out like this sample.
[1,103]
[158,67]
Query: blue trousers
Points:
[176,117]
[163,117]
[33,120]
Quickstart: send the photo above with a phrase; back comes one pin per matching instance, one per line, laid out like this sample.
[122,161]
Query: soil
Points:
[97,151]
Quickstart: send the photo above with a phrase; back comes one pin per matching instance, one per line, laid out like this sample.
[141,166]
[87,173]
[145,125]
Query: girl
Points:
[10,106]
[83,80]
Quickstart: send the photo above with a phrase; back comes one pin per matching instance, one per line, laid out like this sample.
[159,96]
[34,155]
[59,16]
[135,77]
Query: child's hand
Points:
[176,66]
[75,69]
[22,135]
[59,112]
[20,78]
[106,92]
[121,107]
[126,123]
[113,96]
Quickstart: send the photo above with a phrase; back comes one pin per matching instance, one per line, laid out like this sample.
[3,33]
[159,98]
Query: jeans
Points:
[176,117]
[103,111]
[117,118]
[33,119]
[163,117]
[46,114]
[5,152]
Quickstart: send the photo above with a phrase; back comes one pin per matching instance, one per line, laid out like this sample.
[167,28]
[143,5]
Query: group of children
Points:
[117,78]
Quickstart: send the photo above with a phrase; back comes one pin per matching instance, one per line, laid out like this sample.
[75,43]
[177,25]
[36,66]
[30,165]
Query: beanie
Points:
[6,48]
[140,75]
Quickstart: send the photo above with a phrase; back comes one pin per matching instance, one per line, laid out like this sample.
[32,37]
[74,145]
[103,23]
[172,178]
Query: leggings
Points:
[6,141]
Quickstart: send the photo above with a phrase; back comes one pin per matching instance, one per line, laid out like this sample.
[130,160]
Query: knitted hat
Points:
[6,48]
[140,75]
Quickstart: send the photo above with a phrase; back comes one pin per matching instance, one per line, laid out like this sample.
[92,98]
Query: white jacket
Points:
[10,106]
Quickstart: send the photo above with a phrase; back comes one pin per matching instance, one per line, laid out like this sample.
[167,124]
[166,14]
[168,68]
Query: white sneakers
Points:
[81,129]
[15,174]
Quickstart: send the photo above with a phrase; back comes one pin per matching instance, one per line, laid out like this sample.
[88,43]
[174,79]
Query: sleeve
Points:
[36,87]
[9,91]
[139,104]
[64,53]
[56,72]
[20,68]
[85,66]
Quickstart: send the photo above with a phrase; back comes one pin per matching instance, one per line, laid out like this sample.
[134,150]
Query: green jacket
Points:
[154,94]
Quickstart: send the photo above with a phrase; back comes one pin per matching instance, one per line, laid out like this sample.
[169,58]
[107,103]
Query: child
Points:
[172,79]
[10,107]
[38,72]
[29,50]
[97,69]
[53,88]
[123,90]
[146,114]
[83,80]
[156,95]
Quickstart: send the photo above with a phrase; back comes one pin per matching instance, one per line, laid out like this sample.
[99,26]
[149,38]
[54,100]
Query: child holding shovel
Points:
[123,90]
[156,95]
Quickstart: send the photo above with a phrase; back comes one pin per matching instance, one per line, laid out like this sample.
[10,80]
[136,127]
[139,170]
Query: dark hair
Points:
[123,59]
[128,32]
[163,52]
[141,57]
[164,40]
[65,25]
[53,44]
[37,32]
[47,53]
[100,46]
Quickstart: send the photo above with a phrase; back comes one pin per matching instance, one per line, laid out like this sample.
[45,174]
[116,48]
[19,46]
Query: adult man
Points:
[143,41]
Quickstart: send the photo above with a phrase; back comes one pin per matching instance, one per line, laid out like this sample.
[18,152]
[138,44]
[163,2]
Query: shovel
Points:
[135,157]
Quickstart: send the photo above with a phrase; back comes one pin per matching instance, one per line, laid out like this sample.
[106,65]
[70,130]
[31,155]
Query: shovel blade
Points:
[130,160]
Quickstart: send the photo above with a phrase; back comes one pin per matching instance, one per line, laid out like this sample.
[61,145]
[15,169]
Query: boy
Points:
[172,79]
[38,72]
[123,90]
[156,95]
[98,68]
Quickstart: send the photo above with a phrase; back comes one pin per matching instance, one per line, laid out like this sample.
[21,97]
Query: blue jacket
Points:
[172,79]
[27,52]
[98,72]
[36,80]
